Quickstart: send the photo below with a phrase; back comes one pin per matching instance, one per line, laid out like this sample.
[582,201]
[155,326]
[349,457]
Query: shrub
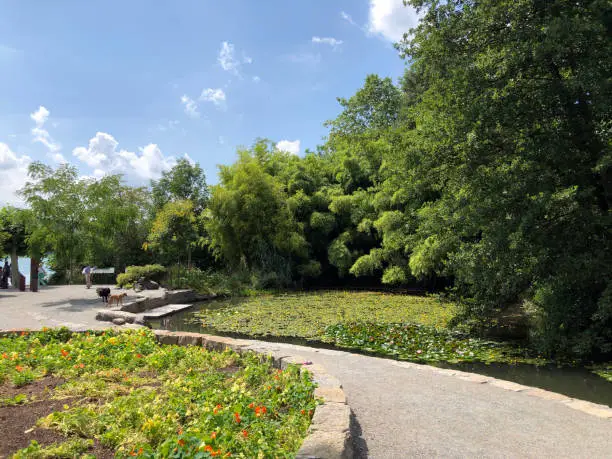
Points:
[133,273]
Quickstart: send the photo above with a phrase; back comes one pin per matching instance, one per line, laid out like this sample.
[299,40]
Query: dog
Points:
[117,298]
[103,292]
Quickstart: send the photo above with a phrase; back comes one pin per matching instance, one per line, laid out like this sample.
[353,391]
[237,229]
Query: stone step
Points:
[164,311]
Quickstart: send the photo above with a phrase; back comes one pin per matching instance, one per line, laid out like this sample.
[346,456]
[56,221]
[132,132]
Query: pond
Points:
[574,382]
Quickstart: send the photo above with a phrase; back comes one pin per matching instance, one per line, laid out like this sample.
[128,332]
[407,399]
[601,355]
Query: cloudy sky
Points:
[130,86]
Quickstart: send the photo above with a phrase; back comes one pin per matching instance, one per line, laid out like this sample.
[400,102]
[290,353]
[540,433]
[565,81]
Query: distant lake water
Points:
[24,267]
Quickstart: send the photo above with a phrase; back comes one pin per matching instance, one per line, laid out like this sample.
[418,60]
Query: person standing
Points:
[41,275]
[87,272]
[5,274]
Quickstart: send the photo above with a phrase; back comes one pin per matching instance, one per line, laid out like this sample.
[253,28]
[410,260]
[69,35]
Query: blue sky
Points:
[129,86]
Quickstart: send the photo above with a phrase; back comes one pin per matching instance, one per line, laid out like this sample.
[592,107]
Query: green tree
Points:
[514,137]
[185,181]
[56,200]
[175,231]
[249,223]
[13,235]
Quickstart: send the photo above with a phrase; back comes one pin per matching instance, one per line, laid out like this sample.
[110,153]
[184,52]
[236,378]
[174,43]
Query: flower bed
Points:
[124,394]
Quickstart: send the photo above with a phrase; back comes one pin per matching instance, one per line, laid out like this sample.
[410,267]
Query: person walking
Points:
[87,272]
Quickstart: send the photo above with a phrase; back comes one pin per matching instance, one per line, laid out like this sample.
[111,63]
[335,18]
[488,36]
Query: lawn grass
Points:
[138,398]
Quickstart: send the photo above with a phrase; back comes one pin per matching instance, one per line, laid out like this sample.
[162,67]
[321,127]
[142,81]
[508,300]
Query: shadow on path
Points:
[360,447]
[79,305]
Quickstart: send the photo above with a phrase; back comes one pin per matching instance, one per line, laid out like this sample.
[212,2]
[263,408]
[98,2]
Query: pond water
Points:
[574,382]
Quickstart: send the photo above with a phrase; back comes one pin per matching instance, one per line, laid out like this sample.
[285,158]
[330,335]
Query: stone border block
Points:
[594,409]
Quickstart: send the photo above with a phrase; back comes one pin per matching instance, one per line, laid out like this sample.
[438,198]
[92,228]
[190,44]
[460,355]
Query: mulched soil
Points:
[17,422]
[38,389]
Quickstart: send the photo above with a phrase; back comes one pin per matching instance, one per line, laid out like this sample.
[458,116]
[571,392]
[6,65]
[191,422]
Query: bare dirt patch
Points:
[35,390]
[18,423]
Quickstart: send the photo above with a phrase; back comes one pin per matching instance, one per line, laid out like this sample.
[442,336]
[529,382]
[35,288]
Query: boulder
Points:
[145,284]
[118,321]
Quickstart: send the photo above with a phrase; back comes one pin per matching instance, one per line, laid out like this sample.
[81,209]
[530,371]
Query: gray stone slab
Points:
[165,310]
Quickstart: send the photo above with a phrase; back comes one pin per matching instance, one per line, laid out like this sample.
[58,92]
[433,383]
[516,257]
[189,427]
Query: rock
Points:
[119,321]
[109,315]
[145,284]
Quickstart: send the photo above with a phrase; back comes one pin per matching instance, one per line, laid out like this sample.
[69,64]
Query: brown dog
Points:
[117,298]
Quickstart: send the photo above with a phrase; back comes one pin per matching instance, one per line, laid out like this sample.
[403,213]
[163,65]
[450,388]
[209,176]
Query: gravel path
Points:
[401,410]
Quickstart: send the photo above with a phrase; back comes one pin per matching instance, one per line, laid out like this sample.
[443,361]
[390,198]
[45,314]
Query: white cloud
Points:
[59,158]
[100,150]
[40,134]
[229,62]
[347,17]
[216,96]
[103,155]
[289,146]
[391,19]
[331,41]
[256,79]
[191,108]
[40,116]
[13,175]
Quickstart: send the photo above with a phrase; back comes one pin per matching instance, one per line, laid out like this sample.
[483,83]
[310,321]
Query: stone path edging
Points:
[593,409]
[329,435]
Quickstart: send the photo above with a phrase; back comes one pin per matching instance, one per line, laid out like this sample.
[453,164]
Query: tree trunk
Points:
[33,275]
[14,266]
[188,257]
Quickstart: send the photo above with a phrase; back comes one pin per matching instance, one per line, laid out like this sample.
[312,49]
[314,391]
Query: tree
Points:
[13,236]
[185,181]
[175,230]
[115,223]
[514,138]
[249,222]
[56,200]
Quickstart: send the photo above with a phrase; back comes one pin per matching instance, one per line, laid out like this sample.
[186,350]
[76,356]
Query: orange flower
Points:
[64,352]
[245,433]
[139,356]
[260,410]
[302,412]
[136,453]
[208,448]
[251,405]
[213,435]
[181,442]
[237,418]
[19,368]
[23,333]
[180,431]
[217,408]
[5,355]
[215,453]
[228,455]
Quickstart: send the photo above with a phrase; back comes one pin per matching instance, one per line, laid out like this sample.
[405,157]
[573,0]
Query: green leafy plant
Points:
[133,273]
[138,398]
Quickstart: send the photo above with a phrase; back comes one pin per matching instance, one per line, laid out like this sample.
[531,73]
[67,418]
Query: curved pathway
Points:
[406,410]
